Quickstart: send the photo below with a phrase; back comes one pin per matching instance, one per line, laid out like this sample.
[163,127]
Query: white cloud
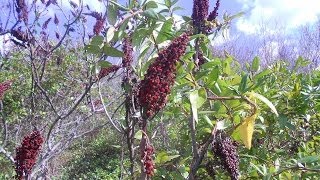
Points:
[291,13]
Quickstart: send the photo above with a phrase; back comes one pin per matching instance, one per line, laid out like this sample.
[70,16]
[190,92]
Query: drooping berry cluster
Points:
[127,51]
[27,153]
[200,12]
[4,86]
[160,76]
[22,10]
[226,150]
[106,71]
[147,160]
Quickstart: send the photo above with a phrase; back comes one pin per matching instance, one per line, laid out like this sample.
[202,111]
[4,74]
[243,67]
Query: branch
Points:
[105,110]
[7,155]
[202,151]
[5,126]
[70,111]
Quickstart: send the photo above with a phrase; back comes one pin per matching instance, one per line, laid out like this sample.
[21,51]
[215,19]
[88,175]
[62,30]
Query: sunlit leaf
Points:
[138,135]
[197,98]
[246,130]
[255,64]
[265,100]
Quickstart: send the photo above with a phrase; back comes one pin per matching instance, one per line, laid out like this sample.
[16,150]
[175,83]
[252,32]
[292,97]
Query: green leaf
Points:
[197,99]
[284,122]
[177,9]
[97,40]
[138,135]
[265,100]
[163,157]
[255,64]
[263,73]
[168,3]
[94,49]
[208,121]
[150,13]
[243,84]
[112,14]
[104,64]
[165,32]
[151,4]
[309,159]
[111,51]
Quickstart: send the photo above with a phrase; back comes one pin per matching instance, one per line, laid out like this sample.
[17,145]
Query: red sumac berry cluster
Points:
[106,71]
[200,14]
[160,76]
[147,160]
[4,86]
[27,153]
[127,51]
[226,150]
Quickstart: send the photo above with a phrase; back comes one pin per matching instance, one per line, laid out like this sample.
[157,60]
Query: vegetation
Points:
[142,96]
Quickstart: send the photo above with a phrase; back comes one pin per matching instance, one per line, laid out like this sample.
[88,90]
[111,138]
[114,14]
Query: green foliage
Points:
[100,160]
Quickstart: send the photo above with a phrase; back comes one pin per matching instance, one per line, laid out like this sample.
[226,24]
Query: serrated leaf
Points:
[265,100]
[111,51]
[246,130]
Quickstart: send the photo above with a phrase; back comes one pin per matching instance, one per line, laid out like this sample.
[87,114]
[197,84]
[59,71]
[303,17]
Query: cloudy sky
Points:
[288,13]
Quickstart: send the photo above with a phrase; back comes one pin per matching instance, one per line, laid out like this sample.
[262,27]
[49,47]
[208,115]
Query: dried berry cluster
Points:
[27,154]
[56,20]
[106,71]
[45,24]
[4,86]
[127,51]
[226,150]
[147,160]
[22,10]
[160,76]
[200,13]
[214,14]
[20,35]
[98,26]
